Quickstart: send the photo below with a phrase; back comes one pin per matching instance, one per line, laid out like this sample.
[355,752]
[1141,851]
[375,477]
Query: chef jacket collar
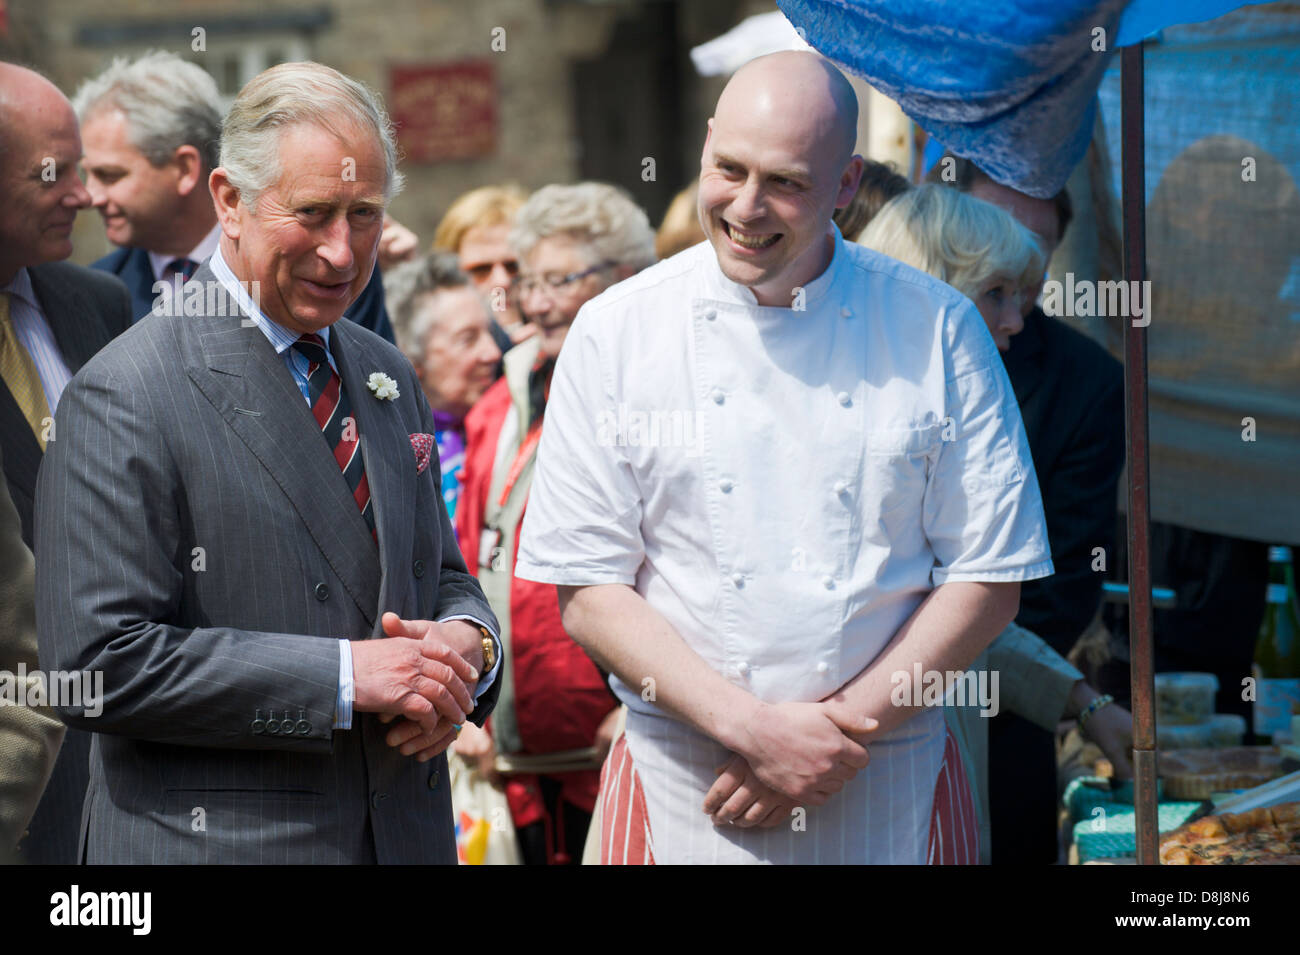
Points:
[814,292]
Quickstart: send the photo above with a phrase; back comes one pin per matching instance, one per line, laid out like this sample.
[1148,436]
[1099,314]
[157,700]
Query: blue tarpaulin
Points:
[1009,84]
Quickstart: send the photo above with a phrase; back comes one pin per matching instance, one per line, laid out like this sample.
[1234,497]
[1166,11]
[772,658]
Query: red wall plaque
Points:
[447,111]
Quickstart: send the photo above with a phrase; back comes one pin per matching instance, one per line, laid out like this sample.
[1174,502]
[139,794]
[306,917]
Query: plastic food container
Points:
[1184,699]
[1226,729]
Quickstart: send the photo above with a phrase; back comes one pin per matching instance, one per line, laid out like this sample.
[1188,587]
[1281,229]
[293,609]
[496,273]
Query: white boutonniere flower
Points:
[383,386]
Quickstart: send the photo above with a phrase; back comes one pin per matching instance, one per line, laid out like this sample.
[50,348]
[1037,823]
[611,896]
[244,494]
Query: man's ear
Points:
[849,180]
[229,204]
[190,165]
[704,153]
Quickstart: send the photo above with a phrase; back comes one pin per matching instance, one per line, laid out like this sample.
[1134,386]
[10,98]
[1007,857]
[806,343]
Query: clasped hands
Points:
[423,677]
[790,754]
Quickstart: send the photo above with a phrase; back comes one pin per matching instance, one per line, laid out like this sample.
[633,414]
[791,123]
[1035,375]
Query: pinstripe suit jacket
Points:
[200,547]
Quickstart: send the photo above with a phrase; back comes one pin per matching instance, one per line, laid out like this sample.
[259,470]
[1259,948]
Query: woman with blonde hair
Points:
[476,229]
[988,256]
[974,246]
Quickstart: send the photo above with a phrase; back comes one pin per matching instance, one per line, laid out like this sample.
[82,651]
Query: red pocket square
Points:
[422,445]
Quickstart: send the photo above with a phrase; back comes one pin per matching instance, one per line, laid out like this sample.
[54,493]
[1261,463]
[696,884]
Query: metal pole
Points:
[1135,432]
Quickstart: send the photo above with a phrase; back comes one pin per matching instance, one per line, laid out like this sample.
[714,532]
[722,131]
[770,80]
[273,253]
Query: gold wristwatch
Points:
[489,650]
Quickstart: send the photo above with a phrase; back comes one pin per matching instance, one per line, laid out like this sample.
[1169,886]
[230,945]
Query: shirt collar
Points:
[280,337]
[21,287]
[814,292]
[158,261]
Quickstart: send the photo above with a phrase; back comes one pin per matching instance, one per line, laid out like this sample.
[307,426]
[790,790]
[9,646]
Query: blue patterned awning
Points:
[1010,84]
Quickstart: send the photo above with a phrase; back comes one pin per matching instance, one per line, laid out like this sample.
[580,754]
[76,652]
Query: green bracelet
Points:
[1093,707]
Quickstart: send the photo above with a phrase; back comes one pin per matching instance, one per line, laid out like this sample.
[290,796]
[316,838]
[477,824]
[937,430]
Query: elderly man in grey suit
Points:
[241,526]
[53,317]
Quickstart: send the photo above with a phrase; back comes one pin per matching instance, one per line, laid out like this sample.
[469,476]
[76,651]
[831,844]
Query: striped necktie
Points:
[185,268]
[333,412]
[19,374]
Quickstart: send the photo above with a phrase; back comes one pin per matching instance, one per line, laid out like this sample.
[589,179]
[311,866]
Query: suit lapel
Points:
[237,368]
[69,313]
[386,450]
[137,274]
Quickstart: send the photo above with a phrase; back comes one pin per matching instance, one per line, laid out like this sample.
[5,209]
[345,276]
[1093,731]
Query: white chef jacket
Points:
[785,486]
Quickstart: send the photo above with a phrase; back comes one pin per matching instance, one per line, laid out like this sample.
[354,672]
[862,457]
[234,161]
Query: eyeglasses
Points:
[552,283]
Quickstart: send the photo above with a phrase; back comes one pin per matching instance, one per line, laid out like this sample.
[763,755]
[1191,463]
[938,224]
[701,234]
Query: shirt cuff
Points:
[347,691]
[485,681]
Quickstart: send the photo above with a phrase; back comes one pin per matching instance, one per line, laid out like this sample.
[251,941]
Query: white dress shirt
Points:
[785,487]
[33,330]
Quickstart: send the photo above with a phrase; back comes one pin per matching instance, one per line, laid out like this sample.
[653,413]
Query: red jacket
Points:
[560,698]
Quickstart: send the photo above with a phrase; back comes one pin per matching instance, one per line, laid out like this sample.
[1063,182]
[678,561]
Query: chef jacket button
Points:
[846,312]
[823,667]
[710,314]
[841,486]
[828,582]
[718,396]
[725,485]
[418,568]
[742,668]
[738,580]
[322,592]
[844,399]
[376,799]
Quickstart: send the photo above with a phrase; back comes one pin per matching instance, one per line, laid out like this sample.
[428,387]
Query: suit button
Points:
[322,592]
[434,778]
[376,799]
[273,726]
[418,568]
[304,727]
[259,724]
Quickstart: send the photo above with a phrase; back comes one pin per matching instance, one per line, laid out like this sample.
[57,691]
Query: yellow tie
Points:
[19,374]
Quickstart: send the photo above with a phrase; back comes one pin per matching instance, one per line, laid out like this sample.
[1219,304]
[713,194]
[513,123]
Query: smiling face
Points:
[312,242]
[774,168]
[553,308]
[138,201]
[460,356]
[38,175]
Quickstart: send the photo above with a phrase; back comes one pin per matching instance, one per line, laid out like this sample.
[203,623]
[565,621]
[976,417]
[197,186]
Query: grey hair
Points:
[604,218]
[408,283]
[288,95]
[167,103]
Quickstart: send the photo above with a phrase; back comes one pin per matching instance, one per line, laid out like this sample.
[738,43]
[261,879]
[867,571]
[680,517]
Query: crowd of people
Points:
[667,644]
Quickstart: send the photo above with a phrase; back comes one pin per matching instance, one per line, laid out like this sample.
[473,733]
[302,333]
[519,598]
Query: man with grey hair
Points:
[241,527]
[151,129]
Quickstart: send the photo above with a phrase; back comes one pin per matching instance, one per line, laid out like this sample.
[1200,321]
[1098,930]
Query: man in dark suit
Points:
[53,317]
[151,129]
[241,505]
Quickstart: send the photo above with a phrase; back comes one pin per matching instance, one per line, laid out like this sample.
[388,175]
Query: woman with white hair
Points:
[555,717]
[984,253]
[977,248]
